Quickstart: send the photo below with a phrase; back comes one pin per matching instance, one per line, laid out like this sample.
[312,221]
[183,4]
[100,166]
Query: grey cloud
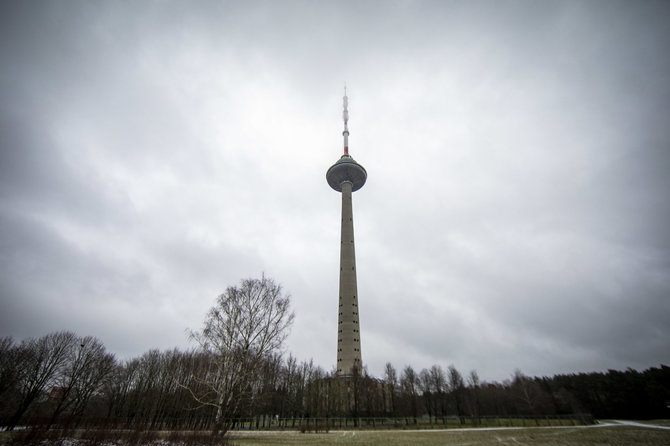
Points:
[515,214]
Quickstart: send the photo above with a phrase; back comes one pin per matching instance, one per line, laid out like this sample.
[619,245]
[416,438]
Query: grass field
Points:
[613,435]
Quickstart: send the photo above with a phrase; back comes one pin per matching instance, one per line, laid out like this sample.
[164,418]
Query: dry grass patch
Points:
[577,436]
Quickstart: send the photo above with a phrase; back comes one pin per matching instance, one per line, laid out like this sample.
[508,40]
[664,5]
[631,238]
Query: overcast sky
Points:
[517,208]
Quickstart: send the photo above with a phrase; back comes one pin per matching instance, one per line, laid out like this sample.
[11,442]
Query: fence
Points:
[336,423]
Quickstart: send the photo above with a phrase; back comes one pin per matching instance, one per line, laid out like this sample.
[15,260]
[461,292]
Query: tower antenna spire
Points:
[345,116]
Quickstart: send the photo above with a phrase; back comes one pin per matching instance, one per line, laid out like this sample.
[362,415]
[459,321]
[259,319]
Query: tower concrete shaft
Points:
[347,176]
[349,334]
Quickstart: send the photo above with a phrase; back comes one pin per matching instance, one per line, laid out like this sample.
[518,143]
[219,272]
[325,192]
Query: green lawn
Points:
[596,435]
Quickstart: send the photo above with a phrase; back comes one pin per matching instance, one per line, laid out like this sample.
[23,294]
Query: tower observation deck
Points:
[347,176]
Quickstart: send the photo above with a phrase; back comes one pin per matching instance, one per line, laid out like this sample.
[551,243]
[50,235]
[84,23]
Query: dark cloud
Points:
[515,214]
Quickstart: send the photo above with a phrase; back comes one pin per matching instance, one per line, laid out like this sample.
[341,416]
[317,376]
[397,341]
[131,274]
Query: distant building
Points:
[57,393]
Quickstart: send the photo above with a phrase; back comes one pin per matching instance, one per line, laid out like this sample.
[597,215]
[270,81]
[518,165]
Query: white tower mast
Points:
[345,116]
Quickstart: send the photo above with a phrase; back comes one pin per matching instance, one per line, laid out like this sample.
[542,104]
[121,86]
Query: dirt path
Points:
[633,423]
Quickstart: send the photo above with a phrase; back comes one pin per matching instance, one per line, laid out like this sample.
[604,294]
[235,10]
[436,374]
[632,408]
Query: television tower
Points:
[347,176]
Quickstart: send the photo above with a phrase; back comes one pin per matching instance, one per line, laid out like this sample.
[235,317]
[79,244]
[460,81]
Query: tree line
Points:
[62,379]
[236,371]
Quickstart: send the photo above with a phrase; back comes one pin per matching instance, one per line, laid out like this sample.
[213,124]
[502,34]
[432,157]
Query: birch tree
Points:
[246,325]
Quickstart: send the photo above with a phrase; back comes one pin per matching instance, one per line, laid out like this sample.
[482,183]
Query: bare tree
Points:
[428,392]
[11,368]
[529,396]
[97,367]
[457,388]
[438,382]
[473,395]
[247,324]
[391,381]
[409,385]
[42,361]
[85,365]
[7,366]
